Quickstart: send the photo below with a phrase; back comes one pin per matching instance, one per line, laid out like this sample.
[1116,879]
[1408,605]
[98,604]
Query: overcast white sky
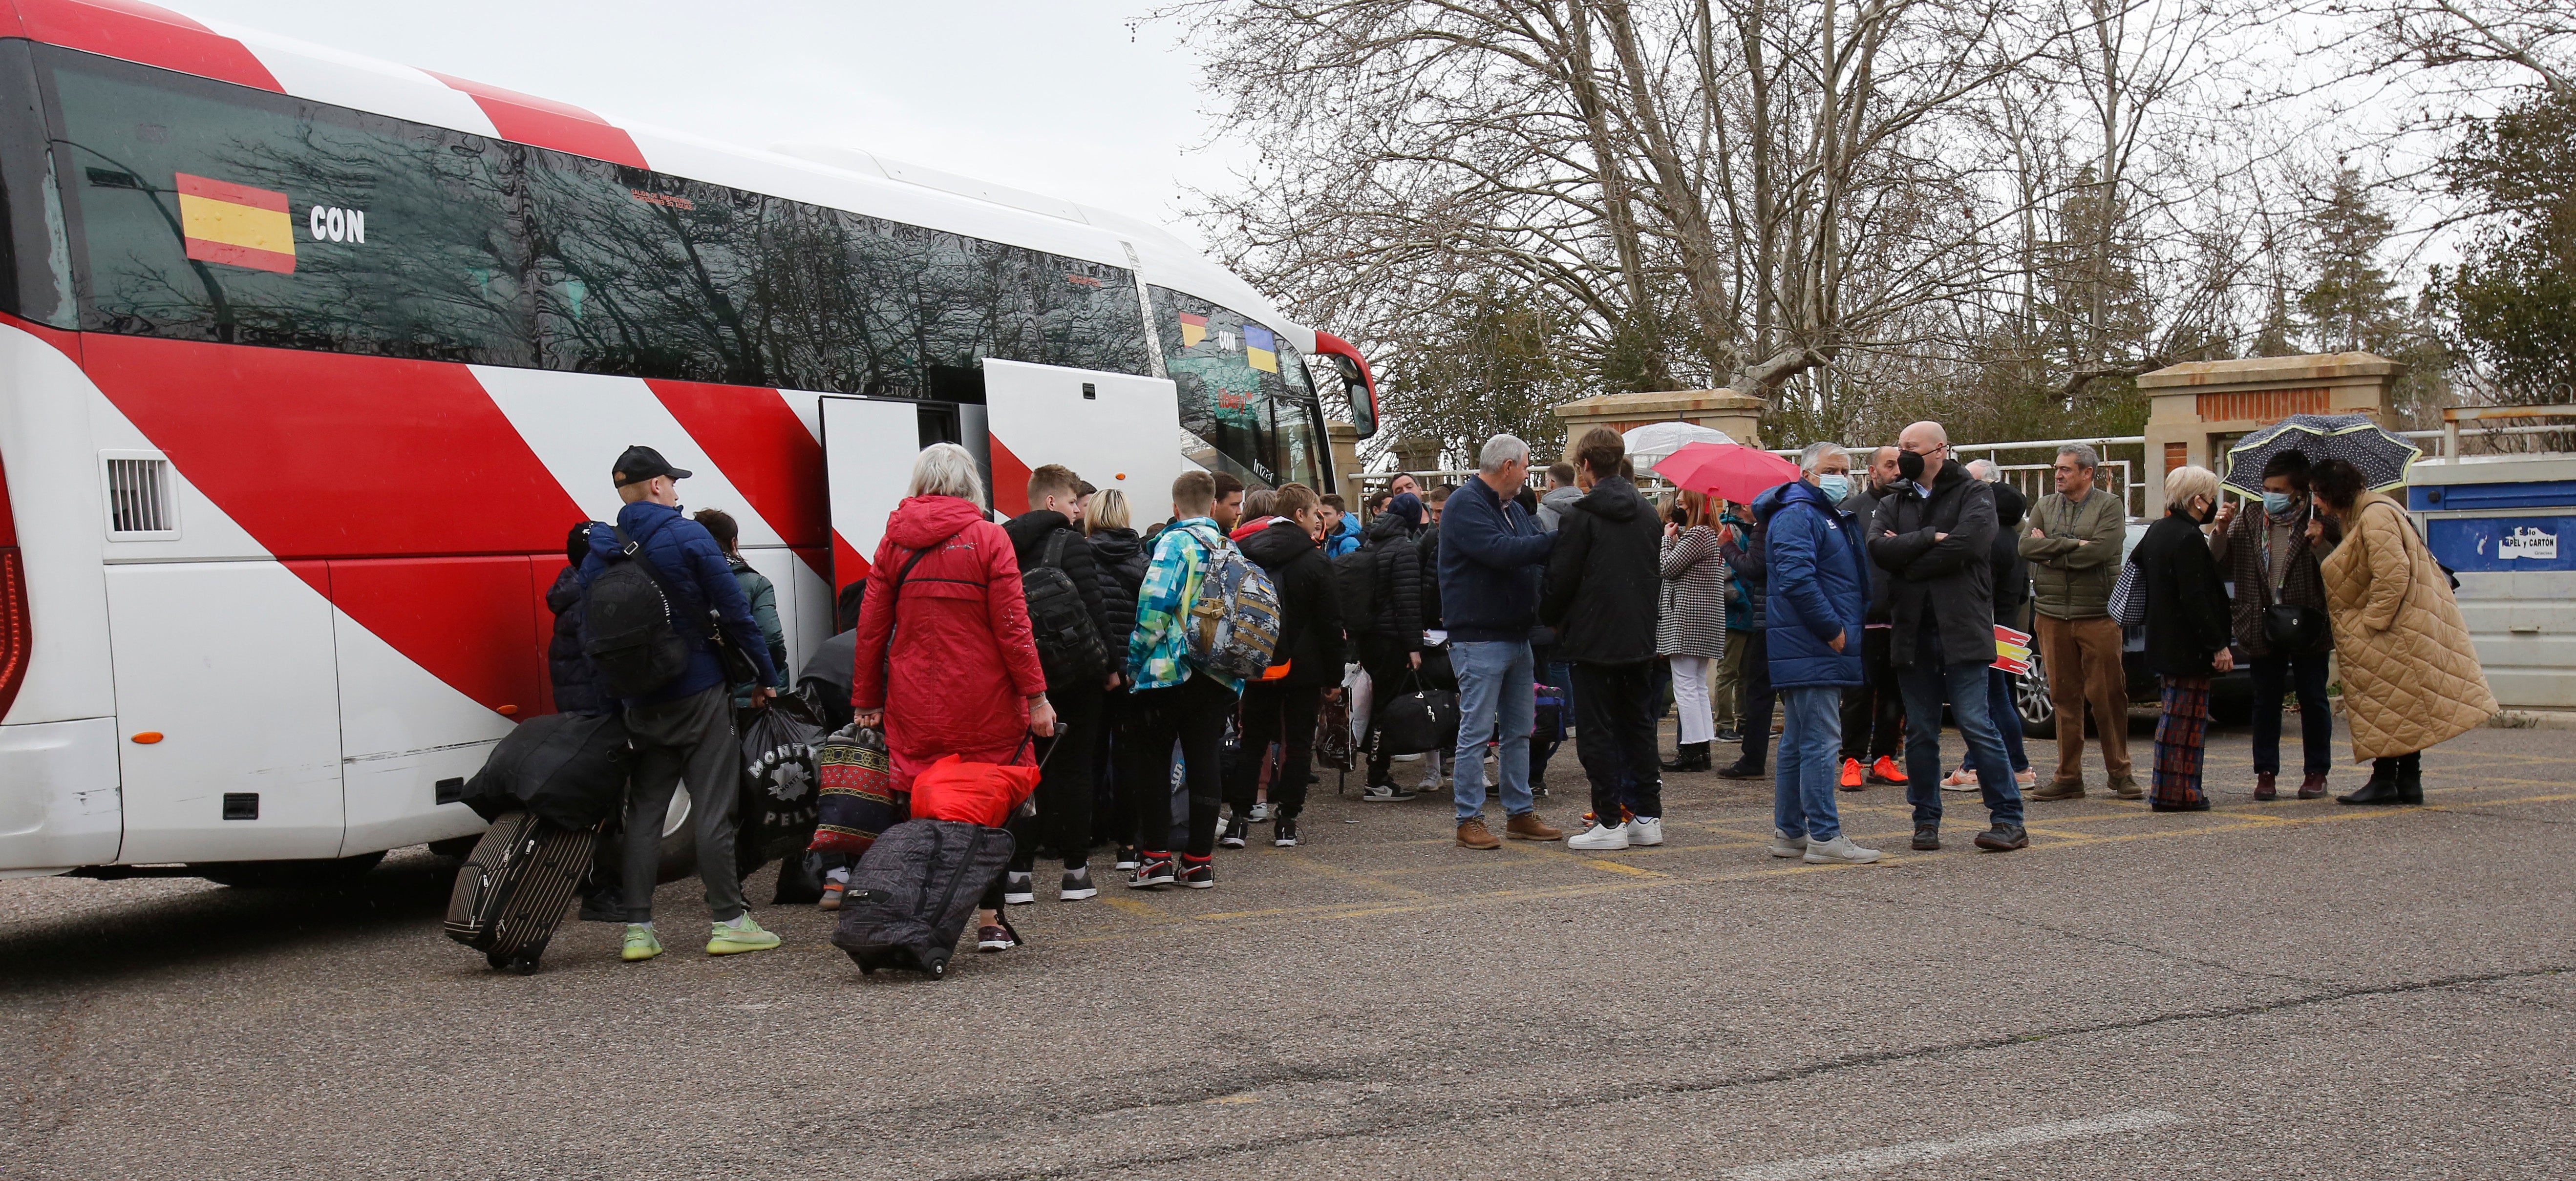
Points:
[1055,96]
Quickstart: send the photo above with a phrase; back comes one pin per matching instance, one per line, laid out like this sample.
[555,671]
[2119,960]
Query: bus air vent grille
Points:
[138,497]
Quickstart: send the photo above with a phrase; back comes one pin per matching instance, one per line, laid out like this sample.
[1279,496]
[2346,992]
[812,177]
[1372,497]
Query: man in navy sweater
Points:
[683,732]
[1491,558]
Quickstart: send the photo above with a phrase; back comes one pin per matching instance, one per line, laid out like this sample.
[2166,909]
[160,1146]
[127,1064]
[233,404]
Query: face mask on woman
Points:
[1834,487]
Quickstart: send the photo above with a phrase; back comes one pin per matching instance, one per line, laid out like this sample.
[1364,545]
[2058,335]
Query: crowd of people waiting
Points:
[1860,602]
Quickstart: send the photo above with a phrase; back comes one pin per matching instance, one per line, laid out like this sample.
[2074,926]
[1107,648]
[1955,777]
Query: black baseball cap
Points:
[643,463]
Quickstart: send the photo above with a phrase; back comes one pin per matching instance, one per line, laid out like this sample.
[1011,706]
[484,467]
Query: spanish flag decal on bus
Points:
[236,225]
[1193,329]
[1260,348]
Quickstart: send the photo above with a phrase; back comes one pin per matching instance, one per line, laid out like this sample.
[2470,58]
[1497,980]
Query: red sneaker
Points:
[1885,770]
[1851,775]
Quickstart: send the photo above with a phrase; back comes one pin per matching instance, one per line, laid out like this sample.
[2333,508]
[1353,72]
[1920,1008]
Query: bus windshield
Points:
[1245,393]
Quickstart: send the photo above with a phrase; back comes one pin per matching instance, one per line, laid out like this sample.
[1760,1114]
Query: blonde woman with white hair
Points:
[961,677]
[2188,632]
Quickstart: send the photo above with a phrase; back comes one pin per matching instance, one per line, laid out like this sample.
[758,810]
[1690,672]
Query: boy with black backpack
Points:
[659,603]
[1174,699]
[1067,617]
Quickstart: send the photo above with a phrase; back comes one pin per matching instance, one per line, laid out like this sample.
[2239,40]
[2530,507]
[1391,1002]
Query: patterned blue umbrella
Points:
[2382,457]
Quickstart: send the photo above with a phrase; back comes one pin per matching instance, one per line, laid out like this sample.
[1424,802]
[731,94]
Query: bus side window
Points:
[207,211]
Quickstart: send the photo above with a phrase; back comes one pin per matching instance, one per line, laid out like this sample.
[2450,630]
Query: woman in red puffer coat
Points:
[961,676]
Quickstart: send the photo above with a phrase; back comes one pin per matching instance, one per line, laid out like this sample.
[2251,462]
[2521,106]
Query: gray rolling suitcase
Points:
[911,894]
[514,888]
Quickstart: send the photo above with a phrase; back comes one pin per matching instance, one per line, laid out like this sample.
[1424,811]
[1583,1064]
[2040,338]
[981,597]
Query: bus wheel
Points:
[320,871]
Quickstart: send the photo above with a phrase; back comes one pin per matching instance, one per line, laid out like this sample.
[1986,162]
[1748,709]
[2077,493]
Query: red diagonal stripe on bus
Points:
[527,119]
[138,32]
[327,456]
[764,449]
[1010,481]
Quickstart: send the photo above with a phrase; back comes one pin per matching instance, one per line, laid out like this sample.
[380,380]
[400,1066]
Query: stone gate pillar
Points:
[2197,410]
[1739,415]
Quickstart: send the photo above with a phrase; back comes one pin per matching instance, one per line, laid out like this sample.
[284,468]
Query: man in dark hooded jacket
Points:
[1283,709]
[1065,792]
[1390,645]
[1601,596]
[1934,538]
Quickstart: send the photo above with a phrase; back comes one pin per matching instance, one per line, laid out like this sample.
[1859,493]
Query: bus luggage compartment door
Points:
[231,666]
[868,447]
[1113,429]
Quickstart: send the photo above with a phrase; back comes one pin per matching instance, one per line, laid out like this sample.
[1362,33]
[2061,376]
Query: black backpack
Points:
[1355,588]
[1068,641]
[626,624]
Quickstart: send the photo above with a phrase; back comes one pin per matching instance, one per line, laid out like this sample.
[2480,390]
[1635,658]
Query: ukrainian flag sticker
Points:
[1260,348]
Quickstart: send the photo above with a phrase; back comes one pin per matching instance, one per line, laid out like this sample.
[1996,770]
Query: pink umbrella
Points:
[1731,471]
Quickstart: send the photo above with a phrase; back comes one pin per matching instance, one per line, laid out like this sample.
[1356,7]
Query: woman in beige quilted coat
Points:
[2410,675]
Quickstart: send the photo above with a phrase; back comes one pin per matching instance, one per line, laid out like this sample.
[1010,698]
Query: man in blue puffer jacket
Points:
[1818,575]
[683,732]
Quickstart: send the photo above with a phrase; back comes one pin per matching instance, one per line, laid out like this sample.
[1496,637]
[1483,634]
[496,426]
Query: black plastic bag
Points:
[779,785]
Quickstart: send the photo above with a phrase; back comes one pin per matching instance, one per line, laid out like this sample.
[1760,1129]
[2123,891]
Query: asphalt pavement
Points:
[2288,989]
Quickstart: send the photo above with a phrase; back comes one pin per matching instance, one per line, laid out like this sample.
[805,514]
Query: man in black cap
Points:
[682,730]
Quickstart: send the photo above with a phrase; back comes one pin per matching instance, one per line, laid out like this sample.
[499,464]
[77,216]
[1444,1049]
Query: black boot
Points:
[2382,788]
[1689,756]
[2410,778]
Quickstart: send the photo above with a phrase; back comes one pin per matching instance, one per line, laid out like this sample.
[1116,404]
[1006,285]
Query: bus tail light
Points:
[17,629]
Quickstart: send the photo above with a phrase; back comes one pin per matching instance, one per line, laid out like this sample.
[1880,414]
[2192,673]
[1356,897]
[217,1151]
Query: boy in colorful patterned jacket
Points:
[1173,699]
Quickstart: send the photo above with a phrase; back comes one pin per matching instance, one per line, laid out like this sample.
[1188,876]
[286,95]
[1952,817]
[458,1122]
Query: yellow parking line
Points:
[1657,881]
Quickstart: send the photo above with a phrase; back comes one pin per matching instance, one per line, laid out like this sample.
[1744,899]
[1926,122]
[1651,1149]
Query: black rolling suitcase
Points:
[911,894]
[515,887]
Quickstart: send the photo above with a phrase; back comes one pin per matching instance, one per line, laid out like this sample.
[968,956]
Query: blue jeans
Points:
[1811,738]
[1496,687]
[2007,719]
[1926,683]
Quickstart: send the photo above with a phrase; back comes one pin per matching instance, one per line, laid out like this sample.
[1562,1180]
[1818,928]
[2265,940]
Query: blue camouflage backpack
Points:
[1233,622]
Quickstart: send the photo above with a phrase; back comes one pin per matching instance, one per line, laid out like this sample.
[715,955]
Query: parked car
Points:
[2231,695]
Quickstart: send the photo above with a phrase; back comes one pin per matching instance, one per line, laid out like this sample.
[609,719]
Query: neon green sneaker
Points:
[641,943]
[740,935]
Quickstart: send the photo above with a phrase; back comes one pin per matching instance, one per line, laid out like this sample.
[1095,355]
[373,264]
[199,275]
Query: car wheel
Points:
[2030,697]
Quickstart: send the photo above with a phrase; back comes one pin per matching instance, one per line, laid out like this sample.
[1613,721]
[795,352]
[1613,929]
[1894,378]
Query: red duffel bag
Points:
[975,793]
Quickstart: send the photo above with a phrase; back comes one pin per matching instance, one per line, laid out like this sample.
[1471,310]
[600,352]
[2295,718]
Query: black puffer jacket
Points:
[1310,630]
[2012,571]
[1605,577]
[1949,582]
[1029,533]
[1426,549]
[576,683]
[1397,584]
[1119,555]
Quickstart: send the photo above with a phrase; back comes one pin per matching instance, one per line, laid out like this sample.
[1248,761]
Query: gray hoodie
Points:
[1552,507]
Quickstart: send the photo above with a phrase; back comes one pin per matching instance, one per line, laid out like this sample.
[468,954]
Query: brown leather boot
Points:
[2263,788]
[2314,786]
[2062,789]
[1528,827]
[1472,834]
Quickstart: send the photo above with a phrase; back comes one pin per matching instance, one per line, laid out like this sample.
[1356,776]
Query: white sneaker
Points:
[1260,812]
[1839,851]
[1784,845]
[1600,838]
[1645,830]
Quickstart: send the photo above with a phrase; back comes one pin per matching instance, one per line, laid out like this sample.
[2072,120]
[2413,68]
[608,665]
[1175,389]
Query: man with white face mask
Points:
[1819,594]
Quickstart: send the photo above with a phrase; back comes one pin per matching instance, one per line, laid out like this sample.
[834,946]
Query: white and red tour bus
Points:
[308,363]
